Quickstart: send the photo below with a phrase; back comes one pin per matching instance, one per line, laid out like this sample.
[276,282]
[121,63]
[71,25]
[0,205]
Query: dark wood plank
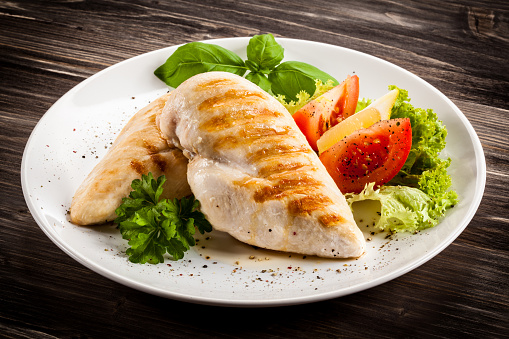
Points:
[48,47]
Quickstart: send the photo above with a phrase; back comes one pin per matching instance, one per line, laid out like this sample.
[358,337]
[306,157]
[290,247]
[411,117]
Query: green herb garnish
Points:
[264,57]
[197,57]
[155,227]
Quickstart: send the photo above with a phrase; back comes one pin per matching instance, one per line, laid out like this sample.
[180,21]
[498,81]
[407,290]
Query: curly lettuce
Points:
[304,97]
[363,103]
[436,183]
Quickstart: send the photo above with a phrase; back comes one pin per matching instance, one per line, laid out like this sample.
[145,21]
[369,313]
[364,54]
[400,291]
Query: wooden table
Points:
[48,47]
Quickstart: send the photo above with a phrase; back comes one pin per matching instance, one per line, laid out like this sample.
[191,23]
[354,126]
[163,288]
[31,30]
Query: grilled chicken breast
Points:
[253,171]
[138,149]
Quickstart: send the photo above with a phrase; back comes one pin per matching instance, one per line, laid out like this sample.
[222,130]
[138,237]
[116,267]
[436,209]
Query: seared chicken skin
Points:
[253,171]
[138,149]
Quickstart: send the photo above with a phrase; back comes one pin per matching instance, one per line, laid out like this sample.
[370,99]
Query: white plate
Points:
[77,130]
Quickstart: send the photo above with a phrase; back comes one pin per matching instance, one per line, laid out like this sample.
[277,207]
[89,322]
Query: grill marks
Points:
[234,117]
[308,204]
[137,166]
[331,219]
[151,148]
[277,151]
[285,188]
[272,170]
[159,161]
[285,170]
[154,157]
[216,83]
[251,134]
[142,167]
[231,97]
[238,108]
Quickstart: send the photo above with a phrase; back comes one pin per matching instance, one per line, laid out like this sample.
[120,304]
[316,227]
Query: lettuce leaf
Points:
[436,183]
[363,103]
[402,208]
[304,97]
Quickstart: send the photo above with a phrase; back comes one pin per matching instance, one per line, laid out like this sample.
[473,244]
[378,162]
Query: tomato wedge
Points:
[324,112]
[374,154]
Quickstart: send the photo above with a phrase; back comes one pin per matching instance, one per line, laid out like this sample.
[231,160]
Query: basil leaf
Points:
[290,77]
[260,80]
[252,66]
[265,52]
[198,57]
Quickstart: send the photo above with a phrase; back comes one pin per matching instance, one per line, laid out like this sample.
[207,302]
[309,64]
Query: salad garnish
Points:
[157,226]
[419,195]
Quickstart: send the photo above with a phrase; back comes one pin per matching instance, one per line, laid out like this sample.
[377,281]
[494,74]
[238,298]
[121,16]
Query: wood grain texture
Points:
[462,48]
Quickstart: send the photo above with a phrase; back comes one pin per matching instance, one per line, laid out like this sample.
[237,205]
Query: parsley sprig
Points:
[155,227]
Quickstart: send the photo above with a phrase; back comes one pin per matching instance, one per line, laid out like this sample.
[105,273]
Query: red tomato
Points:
[327,110]
[374,154]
